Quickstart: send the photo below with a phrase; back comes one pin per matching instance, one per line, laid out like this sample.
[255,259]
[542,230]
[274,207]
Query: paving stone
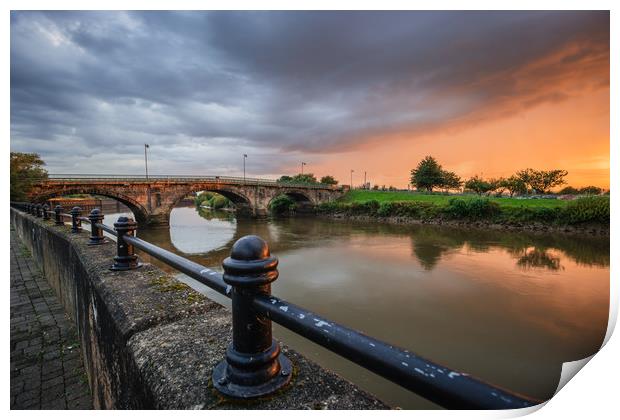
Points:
[46,365]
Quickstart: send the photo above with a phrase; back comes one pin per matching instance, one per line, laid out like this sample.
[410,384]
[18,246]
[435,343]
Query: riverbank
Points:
[594,230]
[584,216]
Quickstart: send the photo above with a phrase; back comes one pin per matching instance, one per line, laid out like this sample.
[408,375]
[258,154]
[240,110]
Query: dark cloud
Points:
[205,86]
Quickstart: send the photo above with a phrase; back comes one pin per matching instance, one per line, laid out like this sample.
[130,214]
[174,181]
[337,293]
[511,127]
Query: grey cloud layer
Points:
[297,82]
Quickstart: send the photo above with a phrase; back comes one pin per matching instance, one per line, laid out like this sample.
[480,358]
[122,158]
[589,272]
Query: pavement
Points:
[46,366]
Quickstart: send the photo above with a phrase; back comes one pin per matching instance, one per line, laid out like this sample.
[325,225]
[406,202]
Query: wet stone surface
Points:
[46,367]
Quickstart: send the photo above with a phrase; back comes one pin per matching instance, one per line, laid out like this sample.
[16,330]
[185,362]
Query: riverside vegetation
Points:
[589,210]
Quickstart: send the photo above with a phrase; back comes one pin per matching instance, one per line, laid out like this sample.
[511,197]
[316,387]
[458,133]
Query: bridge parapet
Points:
[152,199]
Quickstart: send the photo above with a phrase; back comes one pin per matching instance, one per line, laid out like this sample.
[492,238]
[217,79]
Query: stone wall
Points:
[149,341]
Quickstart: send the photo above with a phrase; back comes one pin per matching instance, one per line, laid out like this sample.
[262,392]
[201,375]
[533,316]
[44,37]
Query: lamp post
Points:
[352,178]
[302,167]
[146,162]
[148,186]
[244,158]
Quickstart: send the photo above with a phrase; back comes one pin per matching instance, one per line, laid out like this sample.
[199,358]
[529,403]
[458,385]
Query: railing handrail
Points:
[435,382]
[183,178]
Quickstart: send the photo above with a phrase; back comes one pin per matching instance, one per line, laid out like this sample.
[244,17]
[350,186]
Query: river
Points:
[506,307]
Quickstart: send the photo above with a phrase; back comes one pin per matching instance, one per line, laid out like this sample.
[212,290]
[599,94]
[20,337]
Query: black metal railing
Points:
[253,365]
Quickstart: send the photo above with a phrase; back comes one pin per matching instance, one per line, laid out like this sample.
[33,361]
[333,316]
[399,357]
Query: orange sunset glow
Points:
[558,117]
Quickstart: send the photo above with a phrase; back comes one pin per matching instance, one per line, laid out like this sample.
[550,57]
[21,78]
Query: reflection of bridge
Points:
[152,199]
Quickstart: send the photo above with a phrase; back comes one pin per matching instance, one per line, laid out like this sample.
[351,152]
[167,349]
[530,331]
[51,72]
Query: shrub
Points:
[586,209]
[218,202]
[282,204]
[475,208]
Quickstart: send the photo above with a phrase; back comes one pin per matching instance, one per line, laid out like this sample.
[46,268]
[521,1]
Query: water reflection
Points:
[210,242]
[507,307]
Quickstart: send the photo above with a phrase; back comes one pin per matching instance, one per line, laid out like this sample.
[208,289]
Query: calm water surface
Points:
[509,308]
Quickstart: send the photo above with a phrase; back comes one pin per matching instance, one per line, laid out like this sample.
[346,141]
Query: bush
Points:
[475,208]
[282,204]
[586,209]
[219,202]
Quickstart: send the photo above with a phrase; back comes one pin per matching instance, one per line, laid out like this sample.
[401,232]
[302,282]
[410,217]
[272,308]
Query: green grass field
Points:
[360,196]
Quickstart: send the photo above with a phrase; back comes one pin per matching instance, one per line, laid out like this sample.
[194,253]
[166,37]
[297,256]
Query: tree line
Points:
[429,174]
[307,179]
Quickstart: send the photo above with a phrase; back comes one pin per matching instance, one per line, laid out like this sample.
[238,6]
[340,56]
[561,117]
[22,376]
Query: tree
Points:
[526,176]
[569,190]
[26,169]
[298,179]
[497,186]
[329,180]
[542,181]
[514,185]
[478,185]
[590,190]
[282,204]
[427,175]
[450,180]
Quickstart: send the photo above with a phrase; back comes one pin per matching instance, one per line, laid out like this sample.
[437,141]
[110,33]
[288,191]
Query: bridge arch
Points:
[305,202]
[241,202]
[138,210]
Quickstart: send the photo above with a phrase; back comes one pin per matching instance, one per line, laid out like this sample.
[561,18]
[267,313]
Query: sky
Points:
[485,93]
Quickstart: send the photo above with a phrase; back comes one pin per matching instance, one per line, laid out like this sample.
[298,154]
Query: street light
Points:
[244,158]
[302,167]
[146,162]
[352,178]
[148,186]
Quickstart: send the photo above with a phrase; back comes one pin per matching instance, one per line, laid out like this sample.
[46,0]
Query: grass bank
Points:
[362,196]
[404,206]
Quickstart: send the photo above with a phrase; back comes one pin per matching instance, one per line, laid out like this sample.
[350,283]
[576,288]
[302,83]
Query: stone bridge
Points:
[151,200]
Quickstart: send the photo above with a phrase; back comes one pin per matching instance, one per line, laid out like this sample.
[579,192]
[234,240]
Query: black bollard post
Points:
[125,258]
[58,210]
[253,366]
[31,208]
[27,208]
[38,211]
[46,214]
[96,233]
[76,223]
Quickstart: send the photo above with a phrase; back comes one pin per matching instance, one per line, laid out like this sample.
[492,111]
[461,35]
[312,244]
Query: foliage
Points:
[427,175]
[476,208]
[510,210]
[214,200]
[569,190]
[329,180]
[282,204]
[26,169]
[586,209]
[442,199]
[542,181]
[478,185]
[450,181]
[298,179]
[590,190]
[514,185]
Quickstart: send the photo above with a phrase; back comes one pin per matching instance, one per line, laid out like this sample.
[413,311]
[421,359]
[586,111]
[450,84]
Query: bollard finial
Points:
[250,263]
[253,366]
[96,233]
[125,258]
[58,211]
[76,223]
[249,248]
